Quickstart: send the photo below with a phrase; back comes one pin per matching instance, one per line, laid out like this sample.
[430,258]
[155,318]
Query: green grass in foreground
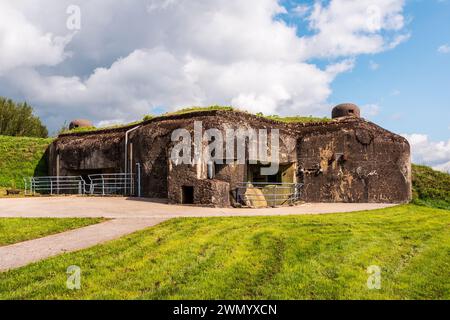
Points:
[21,157]
[296,257]
[14,230]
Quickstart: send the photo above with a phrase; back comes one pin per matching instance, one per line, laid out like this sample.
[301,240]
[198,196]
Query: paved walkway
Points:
[113,208]
[128,216]
[23,253]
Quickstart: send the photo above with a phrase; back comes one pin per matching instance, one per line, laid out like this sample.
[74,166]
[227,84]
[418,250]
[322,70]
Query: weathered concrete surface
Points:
[24,253]
[74,207]
[348,159]
[351,160]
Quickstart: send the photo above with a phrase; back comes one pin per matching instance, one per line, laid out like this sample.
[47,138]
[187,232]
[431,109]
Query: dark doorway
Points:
[187,195]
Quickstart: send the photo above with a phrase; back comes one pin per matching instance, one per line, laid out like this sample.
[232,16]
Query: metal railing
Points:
[110,184]
[266,194]
[97,184]
[54,185]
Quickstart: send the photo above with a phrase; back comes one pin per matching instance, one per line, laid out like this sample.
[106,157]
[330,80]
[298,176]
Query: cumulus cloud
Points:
[346,28]
[445,167]
[131,59]
[432,153]
[370,110]
[301,10]
[445,48]
[24,44]
[373,65]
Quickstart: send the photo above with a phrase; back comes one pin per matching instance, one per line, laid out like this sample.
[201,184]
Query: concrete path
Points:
[129,215]
[113,208]
[23,253]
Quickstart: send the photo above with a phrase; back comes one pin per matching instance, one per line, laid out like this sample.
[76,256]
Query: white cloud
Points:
[185,81]
[444,49]
[109,123]
[370,110]
[25,45]
[373,65]
[432,153]
[301,10]
[181,52]
[443,167]
[354,27]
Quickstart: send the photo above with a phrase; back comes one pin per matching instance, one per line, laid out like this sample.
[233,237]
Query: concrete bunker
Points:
[347,159]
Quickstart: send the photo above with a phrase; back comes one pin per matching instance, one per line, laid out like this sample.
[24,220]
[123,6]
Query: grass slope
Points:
[431,188]
[14,230]
[296,257]
[21,157]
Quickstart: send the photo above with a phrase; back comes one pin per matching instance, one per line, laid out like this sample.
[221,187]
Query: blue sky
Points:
[412,82]
[113,62]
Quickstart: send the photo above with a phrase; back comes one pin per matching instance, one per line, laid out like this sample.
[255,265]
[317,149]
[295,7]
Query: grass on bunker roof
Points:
[294,257]
[289,119]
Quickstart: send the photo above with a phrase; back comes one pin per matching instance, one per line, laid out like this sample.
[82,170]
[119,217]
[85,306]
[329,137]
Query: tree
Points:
[17,119]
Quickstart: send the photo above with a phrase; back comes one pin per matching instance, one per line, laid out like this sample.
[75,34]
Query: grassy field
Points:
[21,157]
[13,230]
[296,257]
[431,188]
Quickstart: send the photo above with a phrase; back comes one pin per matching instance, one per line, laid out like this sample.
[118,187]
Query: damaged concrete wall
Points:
[354,161]
[345,160]
[221,191]
[71,154]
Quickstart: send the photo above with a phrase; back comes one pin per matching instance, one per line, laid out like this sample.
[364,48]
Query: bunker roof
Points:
[234,116]
[225,113]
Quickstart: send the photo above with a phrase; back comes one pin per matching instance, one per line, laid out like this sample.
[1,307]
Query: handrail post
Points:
[138,171]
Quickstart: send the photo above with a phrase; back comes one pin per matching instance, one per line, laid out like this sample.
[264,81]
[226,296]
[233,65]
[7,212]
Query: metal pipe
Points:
[126,147]
[138,165]
[126,150]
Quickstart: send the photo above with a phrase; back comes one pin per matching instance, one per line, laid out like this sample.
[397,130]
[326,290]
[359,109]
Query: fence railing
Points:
[54,185]
[97,184]
[266,194]
[111,184]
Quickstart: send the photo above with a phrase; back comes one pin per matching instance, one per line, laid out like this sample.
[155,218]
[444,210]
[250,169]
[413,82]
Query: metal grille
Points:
[54,185]
[111,184]
[261,194]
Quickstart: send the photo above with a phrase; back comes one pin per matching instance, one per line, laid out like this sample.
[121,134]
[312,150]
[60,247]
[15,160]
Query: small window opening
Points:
[187,195]
[218,167]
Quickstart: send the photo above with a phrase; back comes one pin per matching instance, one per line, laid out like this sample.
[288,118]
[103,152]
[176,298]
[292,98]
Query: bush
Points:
[17,119]
[431,188]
